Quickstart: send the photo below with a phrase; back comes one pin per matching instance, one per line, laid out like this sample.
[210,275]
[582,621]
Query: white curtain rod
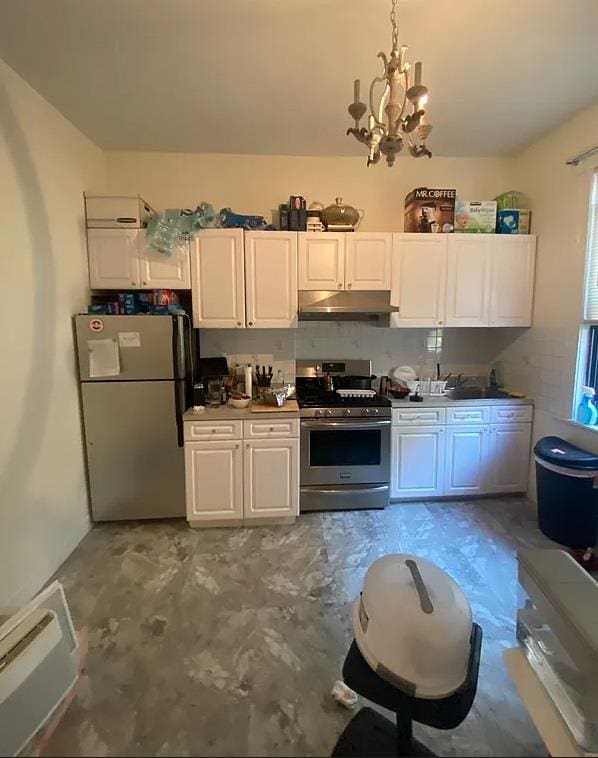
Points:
[577,159]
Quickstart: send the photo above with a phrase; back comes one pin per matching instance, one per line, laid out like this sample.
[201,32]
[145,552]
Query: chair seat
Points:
[444,713]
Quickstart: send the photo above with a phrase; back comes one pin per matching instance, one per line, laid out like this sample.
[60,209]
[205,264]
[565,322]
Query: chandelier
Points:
[400,115]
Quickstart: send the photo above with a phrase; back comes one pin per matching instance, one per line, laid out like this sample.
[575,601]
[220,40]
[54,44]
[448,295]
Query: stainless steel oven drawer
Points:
[343,498]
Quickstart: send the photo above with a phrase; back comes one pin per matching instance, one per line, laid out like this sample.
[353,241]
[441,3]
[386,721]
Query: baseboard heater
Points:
[38,666]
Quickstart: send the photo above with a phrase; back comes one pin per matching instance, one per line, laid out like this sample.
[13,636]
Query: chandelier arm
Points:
[373,109]
[383,103]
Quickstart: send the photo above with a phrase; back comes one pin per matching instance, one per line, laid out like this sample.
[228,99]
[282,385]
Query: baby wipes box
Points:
[475,216]
[513,221]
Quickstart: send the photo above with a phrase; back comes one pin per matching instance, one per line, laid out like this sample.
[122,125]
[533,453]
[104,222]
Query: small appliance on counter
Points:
[344,436]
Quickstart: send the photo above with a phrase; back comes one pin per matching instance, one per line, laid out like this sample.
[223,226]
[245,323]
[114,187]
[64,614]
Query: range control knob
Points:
[319,412]
[329,412]
[376,411]
[365,412]
[348,412]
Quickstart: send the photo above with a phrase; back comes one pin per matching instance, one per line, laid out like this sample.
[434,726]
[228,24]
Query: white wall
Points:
[45,165]
[259,183]
[542,360]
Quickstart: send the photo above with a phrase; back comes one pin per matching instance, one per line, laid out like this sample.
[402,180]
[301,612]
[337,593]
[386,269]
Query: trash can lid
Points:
[562,453]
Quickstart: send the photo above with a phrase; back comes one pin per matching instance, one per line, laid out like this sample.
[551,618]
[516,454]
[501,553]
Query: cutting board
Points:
[289,407]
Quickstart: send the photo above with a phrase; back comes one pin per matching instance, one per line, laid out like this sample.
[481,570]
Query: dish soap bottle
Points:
[586,410]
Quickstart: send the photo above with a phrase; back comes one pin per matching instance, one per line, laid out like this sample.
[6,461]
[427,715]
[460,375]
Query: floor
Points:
[227,642]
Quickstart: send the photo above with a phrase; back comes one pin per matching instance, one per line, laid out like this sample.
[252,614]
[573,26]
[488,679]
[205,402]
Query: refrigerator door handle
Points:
[178,339]
[179,409]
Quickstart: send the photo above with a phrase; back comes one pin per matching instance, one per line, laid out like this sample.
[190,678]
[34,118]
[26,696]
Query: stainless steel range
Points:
[345,437]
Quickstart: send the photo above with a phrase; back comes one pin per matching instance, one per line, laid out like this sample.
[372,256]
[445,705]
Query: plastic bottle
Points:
[586,410]
[248,380]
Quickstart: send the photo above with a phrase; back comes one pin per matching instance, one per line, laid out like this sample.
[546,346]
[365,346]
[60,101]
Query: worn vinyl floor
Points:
[227,642]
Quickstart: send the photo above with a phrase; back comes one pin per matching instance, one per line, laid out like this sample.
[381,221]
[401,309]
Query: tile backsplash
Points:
[470,351]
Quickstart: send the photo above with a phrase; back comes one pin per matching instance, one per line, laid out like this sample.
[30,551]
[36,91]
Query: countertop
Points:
[239,414]
[447,401]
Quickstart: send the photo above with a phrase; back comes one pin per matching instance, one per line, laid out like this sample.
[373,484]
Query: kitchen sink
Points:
[475,393]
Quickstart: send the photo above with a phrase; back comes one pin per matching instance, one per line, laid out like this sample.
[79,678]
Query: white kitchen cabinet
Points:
[122,259]
[113,259]
[417,462]
[214,482]
[160,271]
[218,279]
[509,451]
[271,279]
[468,280]
[418,279]
[271,479]
[321,260]
[368,261]
[466,460]
[512,279]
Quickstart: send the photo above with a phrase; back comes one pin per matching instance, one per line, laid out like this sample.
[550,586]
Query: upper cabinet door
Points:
[468,280]
[368,260]
[513,260]
[419,279]
[271,279]
[321,260]
[159,270]
[113,259]
[218,279]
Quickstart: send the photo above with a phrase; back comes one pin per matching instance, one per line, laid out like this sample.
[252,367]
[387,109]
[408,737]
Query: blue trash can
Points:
[567,483]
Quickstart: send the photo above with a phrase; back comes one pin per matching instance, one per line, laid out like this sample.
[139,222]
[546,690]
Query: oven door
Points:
[345,451]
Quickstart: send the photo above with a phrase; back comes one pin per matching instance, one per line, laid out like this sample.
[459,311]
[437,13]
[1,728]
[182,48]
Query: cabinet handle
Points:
[237,446]
[250,323]
[134,284]
[247,445]
[349,285]
[238,323]
[144,284]
[339,286]
[271,428]
[440,322]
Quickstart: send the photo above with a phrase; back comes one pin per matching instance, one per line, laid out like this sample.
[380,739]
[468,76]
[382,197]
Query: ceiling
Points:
[275,76]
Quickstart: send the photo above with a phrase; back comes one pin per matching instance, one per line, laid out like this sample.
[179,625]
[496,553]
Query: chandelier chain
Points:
[393,21]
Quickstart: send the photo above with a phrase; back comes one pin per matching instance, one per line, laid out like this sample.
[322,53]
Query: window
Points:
[591,298]
[587,373]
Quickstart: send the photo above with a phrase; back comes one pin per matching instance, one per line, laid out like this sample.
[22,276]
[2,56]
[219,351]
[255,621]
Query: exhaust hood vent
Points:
[330,305]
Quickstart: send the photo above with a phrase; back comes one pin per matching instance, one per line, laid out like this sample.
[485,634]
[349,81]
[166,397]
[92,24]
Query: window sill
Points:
[578,425]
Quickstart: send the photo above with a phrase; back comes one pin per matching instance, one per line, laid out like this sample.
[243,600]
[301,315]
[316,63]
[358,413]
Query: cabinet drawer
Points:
[509,413]
[478,414]
[418,416]
[255,430]
[218,430]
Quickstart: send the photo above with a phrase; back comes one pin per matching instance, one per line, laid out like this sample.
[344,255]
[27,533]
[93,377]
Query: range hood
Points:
[331,305]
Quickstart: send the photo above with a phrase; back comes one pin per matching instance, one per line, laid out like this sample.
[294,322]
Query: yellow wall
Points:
[259,183]
[45,165]
[542,360]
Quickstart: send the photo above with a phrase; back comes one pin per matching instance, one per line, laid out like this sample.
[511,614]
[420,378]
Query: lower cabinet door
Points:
[466,460]
[214,480]
[509,457]
[271,473]
[417,466]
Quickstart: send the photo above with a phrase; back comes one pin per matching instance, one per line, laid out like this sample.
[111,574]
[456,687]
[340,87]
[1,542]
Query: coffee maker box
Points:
[430,210]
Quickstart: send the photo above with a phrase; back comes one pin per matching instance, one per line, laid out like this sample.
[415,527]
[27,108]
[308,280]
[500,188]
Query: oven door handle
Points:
[348,489]
[345,424]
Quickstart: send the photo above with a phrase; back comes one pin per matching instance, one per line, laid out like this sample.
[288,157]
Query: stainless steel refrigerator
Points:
[135,374]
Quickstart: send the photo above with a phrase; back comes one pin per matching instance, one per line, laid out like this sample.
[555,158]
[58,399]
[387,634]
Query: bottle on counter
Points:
[248,381]
[586,410]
